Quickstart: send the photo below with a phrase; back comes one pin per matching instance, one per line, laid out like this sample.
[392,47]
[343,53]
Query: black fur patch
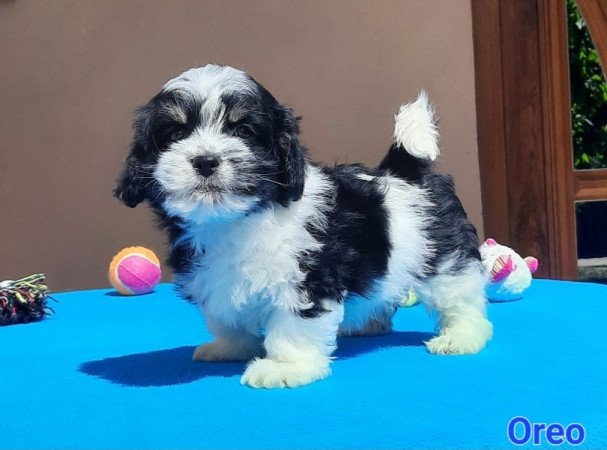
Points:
[356,244]
[181,257]
[450,229]
[273,132]
[402,164]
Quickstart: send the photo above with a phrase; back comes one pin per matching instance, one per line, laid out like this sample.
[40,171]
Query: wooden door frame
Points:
[524,129]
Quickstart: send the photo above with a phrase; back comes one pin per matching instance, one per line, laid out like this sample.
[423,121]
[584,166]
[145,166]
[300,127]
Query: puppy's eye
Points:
[244,132]
[177,134]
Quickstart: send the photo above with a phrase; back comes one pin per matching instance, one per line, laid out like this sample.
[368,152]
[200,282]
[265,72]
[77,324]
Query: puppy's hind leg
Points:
[459,298]
[230,344]
[366,317]
[298,349]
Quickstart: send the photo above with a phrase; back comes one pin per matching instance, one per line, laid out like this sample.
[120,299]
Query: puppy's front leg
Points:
[230,344]
[298,349]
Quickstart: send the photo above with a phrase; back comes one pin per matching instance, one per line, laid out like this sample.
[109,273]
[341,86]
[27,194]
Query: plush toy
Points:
[510,274]
[134,271]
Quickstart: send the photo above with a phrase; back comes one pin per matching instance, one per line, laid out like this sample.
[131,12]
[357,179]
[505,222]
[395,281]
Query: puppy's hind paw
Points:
[266,373]
[444,345]
[461,340]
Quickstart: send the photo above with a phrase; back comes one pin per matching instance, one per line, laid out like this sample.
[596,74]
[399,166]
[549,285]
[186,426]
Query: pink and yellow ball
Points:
[134,271]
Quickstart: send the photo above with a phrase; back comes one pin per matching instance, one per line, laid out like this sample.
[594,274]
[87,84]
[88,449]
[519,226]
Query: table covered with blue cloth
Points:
[112,371]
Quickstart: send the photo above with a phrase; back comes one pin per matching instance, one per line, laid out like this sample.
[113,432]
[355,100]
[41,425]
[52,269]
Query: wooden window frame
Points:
[524,130]
[592,184]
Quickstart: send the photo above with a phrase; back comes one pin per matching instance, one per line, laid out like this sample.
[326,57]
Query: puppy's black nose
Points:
[205,165]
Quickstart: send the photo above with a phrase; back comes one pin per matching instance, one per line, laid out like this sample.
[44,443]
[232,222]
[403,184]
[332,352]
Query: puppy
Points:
[281,254]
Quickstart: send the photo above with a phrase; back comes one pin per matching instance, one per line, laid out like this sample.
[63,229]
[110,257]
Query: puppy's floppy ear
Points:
[131,182]
[130,189]
[291,156]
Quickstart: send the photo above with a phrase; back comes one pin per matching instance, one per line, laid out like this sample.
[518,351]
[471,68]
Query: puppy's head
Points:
[213,143]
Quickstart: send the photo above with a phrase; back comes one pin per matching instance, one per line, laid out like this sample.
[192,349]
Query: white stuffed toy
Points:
[510,274]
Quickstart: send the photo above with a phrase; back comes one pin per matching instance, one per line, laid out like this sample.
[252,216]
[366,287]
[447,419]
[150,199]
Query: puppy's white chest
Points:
[242,269]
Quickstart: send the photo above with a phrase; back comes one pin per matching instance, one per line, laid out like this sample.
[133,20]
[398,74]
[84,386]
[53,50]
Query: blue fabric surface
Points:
[111,371]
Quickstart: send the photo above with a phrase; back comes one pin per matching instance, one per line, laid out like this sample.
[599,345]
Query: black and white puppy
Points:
[280,254]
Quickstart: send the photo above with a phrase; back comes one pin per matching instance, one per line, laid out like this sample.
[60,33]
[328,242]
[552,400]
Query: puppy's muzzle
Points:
[205,165]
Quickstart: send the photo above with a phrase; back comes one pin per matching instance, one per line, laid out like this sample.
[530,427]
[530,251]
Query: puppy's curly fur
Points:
[282,254]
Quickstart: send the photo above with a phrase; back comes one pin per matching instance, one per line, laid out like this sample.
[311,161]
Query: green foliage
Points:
[588,96]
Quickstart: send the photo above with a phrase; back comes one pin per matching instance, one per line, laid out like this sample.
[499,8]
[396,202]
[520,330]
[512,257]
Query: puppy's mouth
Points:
[209,202]
[203,190]
[206,194]
[207,186]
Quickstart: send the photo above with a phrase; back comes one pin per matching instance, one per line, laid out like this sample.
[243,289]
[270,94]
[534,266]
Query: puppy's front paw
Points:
[461,339]
[222,350]
[266,373]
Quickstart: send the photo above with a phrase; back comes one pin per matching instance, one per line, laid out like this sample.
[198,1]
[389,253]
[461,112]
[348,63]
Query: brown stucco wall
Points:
[72,72]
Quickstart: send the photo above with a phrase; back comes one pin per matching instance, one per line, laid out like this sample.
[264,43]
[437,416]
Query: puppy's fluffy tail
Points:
[414,128]
[415,146]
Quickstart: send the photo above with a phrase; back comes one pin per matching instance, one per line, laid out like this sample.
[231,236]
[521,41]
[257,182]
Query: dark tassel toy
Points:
[24,300]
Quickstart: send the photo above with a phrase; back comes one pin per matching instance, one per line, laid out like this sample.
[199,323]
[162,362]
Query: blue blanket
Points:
[112,371]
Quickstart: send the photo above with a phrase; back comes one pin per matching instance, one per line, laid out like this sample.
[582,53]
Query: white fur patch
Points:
[415,130]
[407,207]
[365,177]
[208,80]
